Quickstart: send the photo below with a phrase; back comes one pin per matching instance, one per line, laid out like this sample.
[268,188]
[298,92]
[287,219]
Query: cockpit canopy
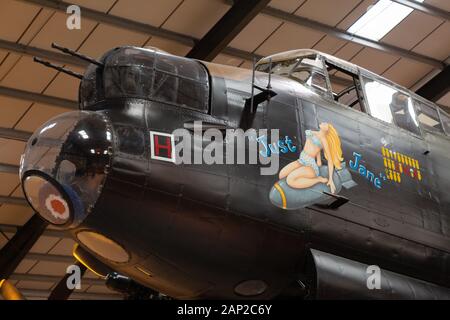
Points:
[306,69]
[359,89]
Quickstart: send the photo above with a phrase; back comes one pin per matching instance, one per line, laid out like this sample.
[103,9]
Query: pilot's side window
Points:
[307,70]
[315,79]
[445,118]
[428,117]
[403,111]
[390,105]
[345,86]
[281,68]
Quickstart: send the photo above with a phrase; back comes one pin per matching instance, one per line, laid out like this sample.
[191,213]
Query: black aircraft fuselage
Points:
[225,231]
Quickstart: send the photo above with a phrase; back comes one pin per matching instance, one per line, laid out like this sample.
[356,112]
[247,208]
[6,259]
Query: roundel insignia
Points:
[57,206]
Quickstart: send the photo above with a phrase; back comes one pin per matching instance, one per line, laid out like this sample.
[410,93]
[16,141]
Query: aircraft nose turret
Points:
[64,166]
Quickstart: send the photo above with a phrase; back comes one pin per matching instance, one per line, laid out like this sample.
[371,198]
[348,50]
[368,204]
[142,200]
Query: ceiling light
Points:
[380,19]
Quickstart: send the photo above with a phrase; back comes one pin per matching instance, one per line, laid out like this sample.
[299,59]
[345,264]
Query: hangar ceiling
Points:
[411,54]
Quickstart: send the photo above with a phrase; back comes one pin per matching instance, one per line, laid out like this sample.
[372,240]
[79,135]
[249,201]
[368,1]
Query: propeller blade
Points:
[9,292]
[18,246]
[61,291]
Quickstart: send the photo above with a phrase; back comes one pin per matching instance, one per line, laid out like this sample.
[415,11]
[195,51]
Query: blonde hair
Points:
[334,143]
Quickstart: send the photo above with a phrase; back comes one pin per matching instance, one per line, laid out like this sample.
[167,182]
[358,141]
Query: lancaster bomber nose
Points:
[63,167]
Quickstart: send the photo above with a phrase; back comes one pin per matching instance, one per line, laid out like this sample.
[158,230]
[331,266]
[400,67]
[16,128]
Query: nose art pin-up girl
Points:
[304,172]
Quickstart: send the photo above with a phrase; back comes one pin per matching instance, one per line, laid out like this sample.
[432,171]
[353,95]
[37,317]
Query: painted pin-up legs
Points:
[299,176]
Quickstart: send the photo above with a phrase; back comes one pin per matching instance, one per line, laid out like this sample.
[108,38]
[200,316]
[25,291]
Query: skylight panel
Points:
[380,19]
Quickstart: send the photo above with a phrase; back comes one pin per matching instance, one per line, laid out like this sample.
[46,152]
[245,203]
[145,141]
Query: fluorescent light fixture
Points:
[380,19]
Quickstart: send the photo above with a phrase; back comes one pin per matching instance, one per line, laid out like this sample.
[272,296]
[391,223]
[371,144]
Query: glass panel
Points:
[310,78]
[390,105]
[192,94]
[403,111]
[72,149]
[131,56]
[445,118]
[131,140]
[282,68]
[132,81]
[146,74]
[181,66]
[345,87]
[88,88]
[264,67]
[350,98]
[379,97]
[180,91]
[306,70]
[312,61]
[428,117]
[318,80]
[165,87]
[47,200]
[309,71]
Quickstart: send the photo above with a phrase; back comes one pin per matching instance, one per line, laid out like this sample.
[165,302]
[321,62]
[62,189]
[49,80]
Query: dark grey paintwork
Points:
[296,199]
[200,230]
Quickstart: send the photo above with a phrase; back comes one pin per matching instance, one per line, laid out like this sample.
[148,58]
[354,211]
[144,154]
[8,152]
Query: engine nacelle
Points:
[340,278]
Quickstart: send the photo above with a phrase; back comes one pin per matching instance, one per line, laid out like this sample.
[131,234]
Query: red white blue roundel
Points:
[57,206]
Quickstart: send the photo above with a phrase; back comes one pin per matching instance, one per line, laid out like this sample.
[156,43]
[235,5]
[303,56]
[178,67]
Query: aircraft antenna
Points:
[270,74]
[53,66]
[76,54]
[253,84]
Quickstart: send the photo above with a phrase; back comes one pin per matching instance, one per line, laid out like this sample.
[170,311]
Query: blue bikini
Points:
[314,139]
[305,159]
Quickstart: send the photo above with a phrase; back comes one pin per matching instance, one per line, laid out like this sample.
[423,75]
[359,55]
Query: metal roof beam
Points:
[12,253]
[13,200]
[226,29]
[34,51]
[48,232]
[8,168]
[50,257]
[437,87]
[190,41]
[117,21]
[133,25]
[13,134]
[344,35]
[38,97]
[33,293]
[425,8]
[46,278]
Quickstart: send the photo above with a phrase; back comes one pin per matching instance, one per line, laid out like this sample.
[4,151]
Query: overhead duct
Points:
[340,278]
